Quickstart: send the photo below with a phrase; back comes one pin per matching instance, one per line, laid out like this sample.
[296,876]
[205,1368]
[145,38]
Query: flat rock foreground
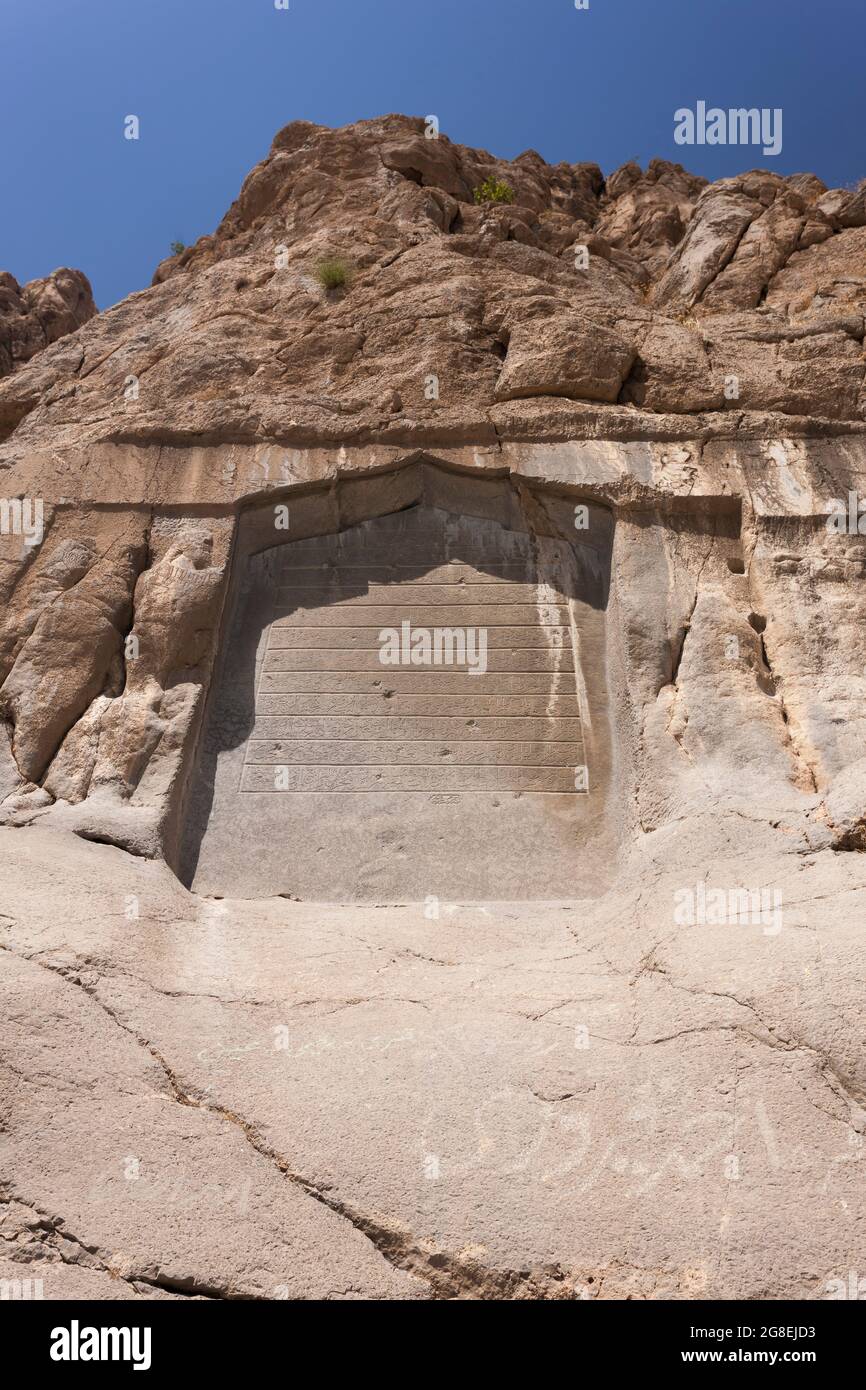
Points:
[275,1099]
[432,741]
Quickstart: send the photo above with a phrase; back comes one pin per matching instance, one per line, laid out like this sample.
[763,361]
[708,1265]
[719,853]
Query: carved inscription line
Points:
[365,727]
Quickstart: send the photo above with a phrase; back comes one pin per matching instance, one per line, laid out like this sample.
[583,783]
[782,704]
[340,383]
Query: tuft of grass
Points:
[334,273]
[493,190]
[177,247]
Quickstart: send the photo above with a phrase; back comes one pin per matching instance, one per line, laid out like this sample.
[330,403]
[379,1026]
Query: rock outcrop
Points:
[606,420]
[686,285]
[40,312]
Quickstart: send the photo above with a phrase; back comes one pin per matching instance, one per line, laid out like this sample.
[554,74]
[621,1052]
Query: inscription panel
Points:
[417,726]
[398,716]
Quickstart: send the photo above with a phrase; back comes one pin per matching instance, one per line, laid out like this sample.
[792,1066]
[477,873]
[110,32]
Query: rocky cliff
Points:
[681,285]
[39,313]
[644,393]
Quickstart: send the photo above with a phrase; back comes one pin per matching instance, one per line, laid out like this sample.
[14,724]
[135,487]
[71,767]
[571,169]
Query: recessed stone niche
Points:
[409,700]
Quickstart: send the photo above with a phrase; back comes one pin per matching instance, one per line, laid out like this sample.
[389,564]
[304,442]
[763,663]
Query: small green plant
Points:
[493,190]
[177,247]
[333,273]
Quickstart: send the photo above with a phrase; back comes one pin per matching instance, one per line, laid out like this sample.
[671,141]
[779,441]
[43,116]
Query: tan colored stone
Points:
[40,312]
[245,476]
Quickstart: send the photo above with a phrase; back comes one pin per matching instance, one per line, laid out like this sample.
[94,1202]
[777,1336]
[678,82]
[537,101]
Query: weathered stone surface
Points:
[608,1042]
[40,312]
[646,213]
[449,779]
[237,339]
[498,1102]
[556,357]
[73,650]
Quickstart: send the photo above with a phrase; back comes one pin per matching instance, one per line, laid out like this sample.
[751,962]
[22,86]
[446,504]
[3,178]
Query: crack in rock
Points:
[446,1275]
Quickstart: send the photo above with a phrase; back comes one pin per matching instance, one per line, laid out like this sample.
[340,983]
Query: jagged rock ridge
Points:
[759,278]
[40,312]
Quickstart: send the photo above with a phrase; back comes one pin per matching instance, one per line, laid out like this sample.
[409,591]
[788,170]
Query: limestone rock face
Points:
[564,357]
[526,972]
[38,313]
[238,340]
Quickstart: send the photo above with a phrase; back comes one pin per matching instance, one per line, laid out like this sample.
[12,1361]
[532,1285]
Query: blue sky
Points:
[212,80]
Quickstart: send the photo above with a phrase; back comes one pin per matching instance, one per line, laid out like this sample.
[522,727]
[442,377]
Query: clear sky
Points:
[212,80]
